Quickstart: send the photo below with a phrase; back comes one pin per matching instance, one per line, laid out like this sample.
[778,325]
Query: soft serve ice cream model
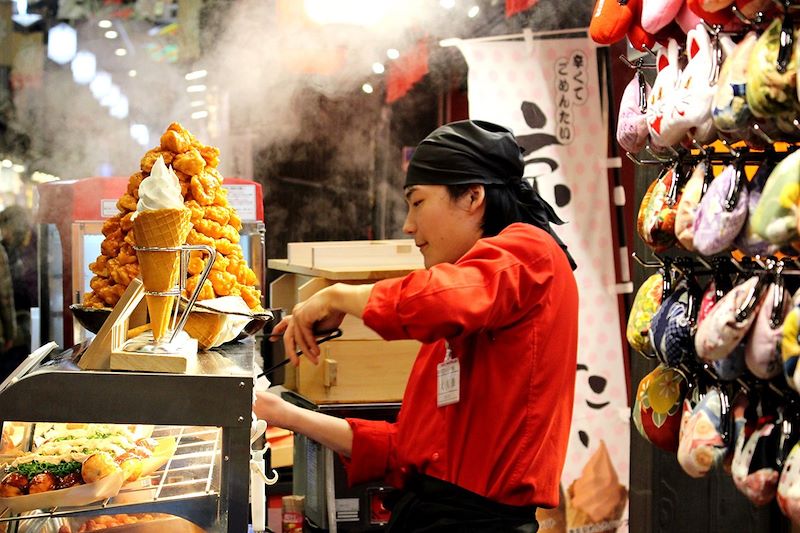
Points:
[161,221]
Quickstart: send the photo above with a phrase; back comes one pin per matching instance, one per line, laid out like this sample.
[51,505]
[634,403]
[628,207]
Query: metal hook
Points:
[760,132]
[786,39]
[741,16]
[736,264]
[698,146]
[647,264]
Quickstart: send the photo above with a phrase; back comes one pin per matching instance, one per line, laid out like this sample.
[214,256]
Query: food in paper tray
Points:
[79,464]
[215,322]
[213,222]
[11,437]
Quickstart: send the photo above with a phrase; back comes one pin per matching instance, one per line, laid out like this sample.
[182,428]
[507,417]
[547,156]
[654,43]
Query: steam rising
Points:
[256,84]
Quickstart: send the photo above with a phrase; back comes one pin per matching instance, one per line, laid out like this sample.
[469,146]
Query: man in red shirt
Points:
[482,434]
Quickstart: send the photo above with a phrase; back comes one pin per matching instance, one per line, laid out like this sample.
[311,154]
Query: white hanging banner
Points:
[547,92]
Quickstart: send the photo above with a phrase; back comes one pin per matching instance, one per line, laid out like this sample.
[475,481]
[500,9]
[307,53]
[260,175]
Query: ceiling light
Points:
[62,43]
[19,169]
[132,73]
[367,88]
[392,53]
[120,52]
[195,88]
[84,67]
[120,109]
[196,75]
[111,34]
[22,17]
[199,114]
[447,4]
[7,163]
[473,12]
[101,84]
[111,98]
[378,68]
[140,134]
[197,103]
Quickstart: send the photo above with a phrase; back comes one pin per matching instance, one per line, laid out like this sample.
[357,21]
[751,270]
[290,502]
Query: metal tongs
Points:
[325,337]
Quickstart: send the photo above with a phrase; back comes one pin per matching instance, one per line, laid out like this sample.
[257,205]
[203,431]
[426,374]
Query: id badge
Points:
[449,382]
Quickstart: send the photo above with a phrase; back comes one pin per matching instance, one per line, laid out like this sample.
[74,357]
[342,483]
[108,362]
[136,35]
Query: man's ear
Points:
[477,196]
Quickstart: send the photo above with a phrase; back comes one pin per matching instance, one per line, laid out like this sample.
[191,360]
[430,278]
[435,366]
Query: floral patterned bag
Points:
[748,241]
[656,220]
[790,347]
[755,468]
[763,350]
[657,408]
[670,329]
[729,108]
[716,227]
[771,93]
[702,447]
[645,305]
[719,334]
[775,216]
[632,133]
[789,486]
[687,207]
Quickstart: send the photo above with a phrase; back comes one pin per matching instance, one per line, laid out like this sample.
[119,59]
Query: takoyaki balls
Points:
[14,484]
[70,480]
[42,483]
[98,466]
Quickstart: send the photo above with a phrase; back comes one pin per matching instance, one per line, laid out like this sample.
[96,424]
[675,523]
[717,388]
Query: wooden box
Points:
[359,367]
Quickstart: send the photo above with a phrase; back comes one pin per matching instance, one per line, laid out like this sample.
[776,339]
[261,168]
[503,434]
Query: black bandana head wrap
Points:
[476,151]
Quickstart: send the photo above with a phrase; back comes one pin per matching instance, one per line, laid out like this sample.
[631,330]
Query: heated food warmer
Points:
[207,411]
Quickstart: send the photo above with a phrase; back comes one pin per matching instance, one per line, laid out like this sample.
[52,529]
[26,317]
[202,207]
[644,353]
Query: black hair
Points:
[503,208]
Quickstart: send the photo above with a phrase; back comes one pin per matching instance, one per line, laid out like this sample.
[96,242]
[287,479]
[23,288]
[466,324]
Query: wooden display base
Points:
[176,363]
[108,349]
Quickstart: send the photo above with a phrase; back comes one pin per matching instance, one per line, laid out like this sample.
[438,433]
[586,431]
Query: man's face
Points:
[444,229]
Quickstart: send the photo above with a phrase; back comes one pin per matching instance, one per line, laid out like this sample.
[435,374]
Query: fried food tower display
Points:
[213,222]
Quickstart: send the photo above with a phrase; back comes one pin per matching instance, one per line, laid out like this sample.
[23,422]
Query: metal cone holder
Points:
[185,251]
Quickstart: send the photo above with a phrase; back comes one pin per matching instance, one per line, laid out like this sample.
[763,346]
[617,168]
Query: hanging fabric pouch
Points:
[790,347]
[755,468]
[657,409]
[645,305]
[729,108]
[660,103]
[748,241]
[789,486]
[775,216]
[722,212]
[772,93]
[691,110]
[611,19]
[687,207]
[763,349]
[632,133]
[656,219]
[657,14]
[702,446]
[725,327]
[671,329]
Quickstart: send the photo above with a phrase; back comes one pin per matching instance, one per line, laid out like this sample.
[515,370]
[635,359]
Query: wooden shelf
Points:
[344,273]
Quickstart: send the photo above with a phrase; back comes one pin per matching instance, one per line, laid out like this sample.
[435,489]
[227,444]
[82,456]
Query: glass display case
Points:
[203,485]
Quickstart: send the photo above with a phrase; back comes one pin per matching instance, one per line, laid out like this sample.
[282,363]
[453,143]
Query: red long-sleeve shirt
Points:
[509,310]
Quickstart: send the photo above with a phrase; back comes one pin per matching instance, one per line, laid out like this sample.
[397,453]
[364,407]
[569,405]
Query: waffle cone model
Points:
[160,228]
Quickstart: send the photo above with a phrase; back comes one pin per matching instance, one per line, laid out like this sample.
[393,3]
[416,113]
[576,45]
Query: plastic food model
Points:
[214,223]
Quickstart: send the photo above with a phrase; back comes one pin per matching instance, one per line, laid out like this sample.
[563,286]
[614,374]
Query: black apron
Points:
[430,505]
